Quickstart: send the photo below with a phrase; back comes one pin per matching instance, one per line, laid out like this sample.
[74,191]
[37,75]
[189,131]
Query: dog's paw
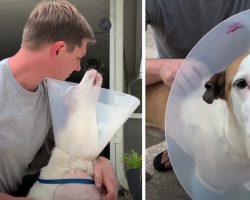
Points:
[92,78]
[84,95]
[89,86]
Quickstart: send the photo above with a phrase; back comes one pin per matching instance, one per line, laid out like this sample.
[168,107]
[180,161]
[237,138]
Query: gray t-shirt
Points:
[24,123]
[179,24]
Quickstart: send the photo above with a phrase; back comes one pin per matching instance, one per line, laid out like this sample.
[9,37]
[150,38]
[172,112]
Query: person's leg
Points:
[156,101]
[162,162]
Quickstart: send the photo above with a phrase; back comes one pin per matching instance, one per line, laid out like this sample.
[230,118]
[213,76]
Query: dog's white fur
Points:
[218,135]
[76,146]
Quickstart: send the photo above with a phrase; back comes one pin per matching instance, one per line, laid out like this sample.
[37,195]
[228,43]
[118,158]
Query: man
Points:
[55,38]
[177,26]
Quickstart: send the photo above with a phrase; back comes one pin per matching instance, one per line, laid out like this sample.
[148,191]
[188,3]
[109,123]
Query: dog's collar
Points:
[66,181]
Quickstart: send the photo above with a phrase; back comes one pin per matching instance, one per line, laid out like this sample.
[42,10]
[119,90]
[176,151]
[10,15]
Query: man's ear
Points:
[215,87]
[57,48]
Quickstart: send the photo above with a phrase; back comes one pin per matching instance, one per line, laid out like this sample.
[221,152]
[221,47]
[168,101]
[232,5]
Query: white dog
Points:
[76,147]
[218,135]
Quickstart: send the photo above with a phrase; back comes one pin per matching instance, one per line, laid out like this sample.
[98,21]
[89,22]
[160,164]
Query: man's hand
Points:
[169,71]
[105,179]
[162,70]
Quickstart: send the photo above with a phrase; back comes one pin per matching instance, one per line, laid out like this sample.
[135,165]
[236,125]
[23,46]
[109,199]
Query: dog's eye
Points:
[240,83]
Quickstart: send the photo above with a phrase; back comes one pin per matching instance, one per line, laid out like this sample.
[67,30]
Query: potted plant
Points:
[133,163]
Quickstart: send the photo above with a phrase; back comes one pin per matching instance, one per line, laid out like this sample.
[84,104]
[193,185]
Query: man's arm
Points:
[8,197]
[162,70]
[105,178]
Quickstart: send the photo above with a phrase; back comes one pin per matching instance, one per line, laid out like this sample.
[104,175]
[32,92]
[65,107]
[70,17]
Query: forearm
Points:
[153,68]
[4,196]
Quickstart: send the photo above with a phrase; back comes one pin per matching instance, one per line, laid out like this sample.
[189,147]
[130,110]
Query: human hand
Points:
[105,179]
[158,70]
[169,69]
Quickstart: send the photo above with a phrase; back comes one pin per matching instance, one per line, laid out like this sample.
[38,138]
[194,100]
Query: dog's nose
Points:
[209,85]
[208,96]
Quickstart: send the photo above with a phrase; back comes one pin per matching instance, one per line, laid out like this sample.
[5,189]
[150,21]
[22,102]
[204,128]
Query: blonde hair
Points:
[52,21]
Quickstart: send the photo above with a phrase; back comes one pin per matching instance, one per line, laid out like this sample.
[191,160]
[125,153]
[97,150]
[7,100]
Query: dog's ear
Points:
[215,87]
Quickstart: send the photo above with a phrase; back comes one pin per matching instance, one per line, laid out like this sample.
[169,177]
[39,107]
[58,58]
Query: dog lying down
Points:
[218,135]
[76,147]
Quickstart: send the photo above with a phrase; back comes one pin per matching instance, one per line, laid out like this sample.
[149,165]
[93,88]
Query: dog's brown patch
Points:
[219,85]
[230,74]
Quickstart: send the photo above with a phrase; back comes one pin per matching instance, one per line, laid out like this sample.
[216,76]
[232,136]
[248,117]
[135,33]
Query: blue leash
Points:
[66,181]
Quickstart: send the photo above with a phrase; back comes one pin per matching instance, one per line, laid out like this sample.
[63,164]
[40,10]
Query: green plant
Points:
[132,160]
